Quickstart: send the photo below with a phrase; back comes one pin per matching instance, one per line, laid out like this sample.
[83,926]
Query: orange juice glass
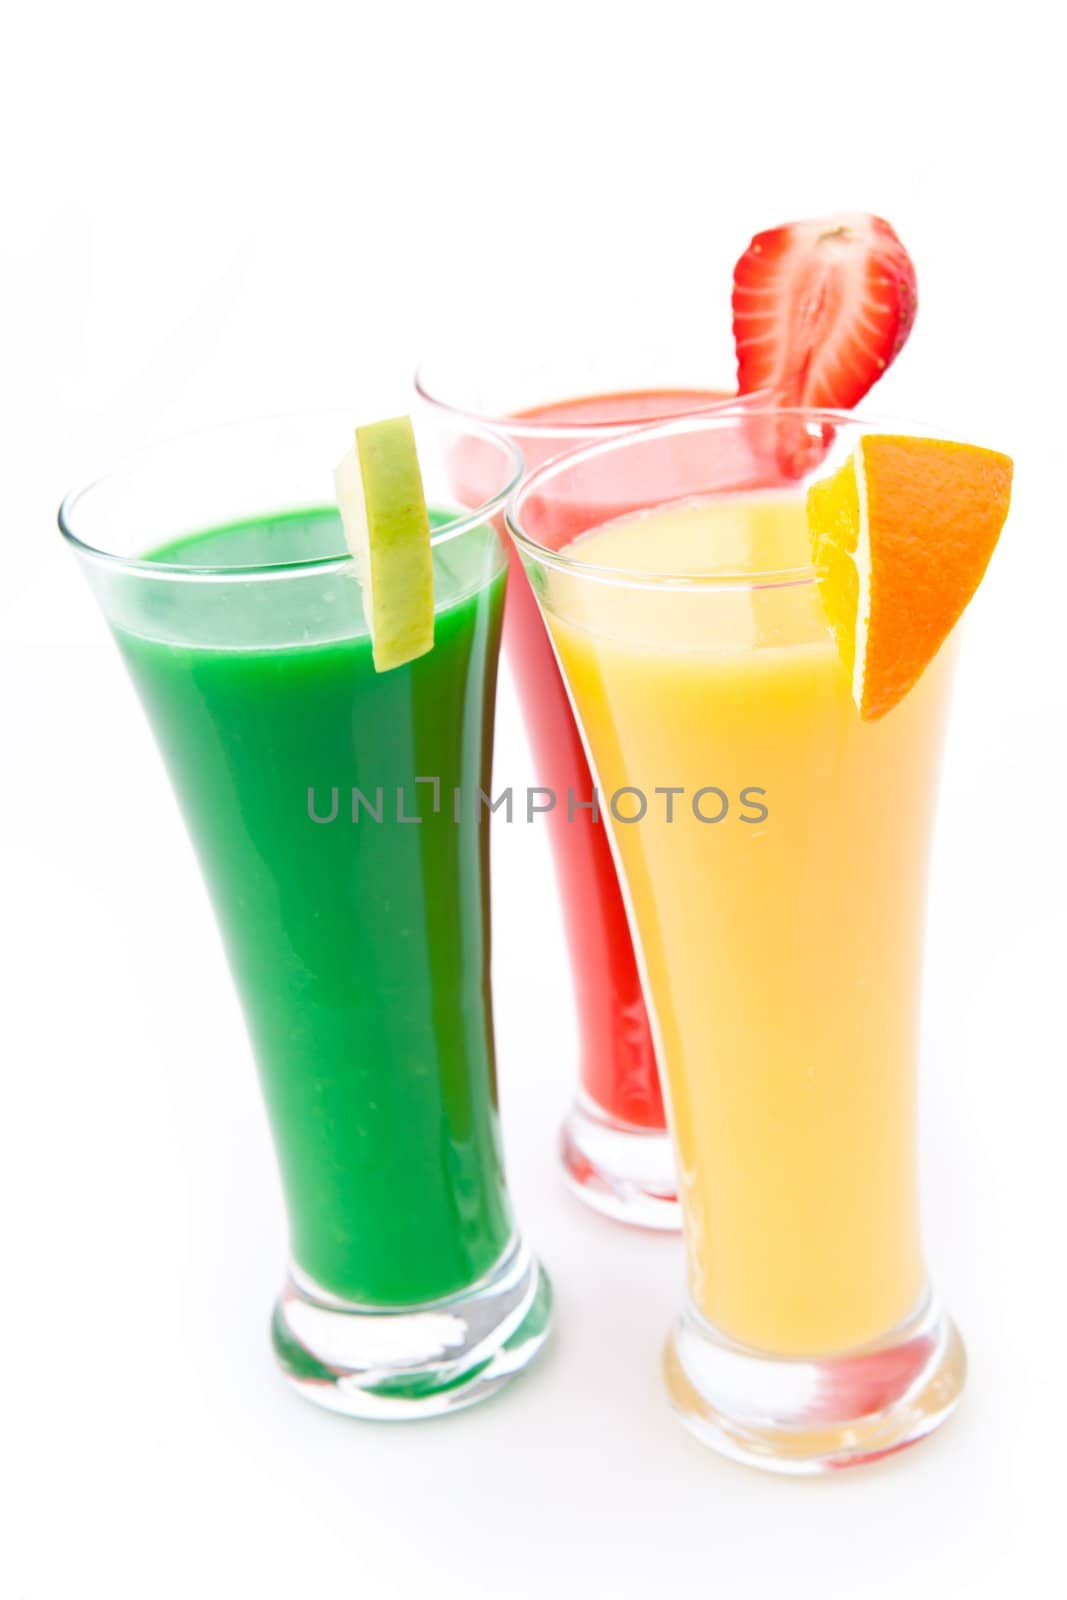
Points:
[773,853]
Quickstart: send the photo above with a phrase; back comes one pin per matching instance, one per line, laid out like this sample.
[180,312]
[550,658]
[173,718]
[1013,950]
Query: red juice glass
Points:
[614,1145]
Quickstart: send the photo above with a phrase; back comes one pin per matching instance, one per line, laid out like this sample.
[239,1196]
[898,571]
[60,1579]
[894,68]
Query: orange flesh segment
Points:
[901,535]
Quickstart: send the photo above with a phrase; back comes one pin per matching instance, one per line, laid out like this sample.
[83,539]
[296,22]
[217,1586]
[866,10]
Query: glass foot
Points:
[422,1361]
[625,1172]
[805,1415]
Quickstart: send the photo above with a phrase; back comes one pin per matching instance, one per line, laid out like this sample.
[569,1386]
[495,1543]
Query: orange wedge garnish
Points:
[901,535]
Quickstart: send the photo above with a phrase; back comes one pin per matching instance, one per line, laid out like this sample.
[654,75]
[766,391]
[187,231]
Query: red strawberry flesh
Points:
[821,308]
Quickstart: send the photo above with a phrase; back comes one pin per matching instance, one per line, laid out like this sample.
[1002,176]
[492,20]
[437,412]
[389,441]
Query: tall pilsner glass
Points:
[349,881]
[614,1147]
[773,849]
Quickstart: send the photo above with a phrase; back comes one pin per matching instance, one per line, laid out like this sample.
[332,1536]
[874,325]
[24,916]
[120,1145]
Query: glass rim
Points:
[443,533]
[521,426]
[691,422]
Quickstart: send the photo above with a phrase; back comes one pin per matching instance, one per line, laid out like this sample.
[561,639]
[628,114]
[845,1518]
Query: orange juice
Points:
[777,896]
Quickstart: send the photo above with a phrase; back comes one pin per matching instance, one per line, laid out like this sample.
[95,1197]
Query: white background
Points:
[211,210]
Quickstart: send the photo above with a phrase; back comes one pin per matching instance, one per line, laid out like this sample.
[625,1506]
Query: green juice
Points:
[360,948]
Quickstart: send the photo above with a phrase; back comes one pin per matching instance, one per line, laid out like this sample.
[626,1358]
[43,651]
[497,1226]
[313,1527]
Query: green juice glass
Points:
[340,819]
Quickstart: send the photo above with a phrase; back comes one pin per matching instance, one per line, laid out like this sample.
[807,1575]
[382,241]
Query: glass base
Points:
[624,1172]
[803,1415]
[422,1361]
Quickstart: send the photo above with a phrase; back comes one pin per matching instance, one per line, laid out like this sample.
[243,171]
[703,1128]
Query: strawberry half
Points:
[821,308]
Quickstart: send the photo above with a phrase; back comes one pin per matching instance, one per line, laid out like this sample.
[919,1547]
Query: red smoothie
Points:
[618,1065]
